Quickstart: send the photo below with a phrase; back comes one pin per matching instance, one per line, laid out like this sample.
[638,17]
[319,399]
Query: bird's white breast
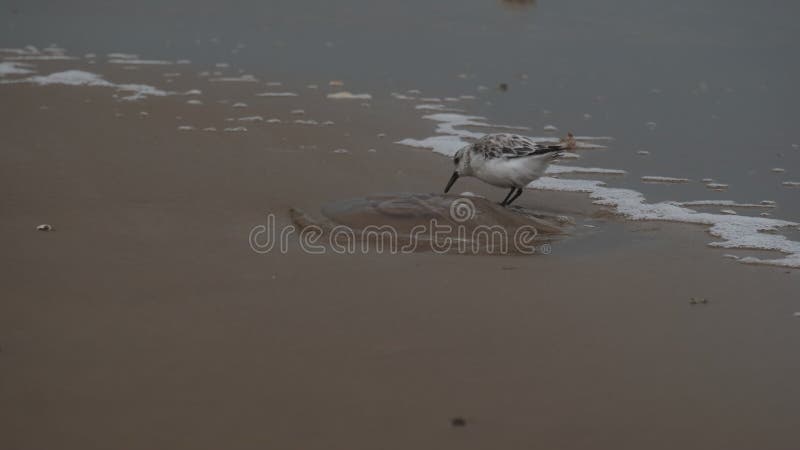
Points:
[509,172]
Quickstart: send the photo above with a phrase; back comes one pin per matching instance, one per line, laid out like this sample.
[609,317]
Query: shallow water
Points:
[688,90]
[717,79]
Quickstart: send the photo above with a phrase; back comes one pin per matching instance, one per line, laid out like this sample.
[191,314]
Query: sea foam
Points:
[81,78]
[732,231]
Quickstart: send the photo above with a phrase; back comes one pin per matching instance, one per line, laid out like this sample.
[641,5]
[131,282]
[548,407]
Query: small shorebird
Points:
[504,160]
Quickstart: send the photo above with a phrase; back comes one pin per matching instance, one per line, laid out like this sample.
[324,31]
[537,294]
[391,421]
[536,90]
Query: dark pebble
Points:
[458,422]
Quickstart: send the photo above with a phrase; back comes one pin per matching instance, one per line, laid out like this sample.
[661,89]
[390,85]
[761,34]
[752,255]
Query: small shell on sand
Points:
[45,227]
[717,186]
[550,128]
[643,152]
[341,150]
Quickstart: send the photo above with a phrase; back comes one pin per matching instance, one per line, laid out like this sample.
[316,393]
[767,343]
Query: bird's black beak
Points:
[450,183]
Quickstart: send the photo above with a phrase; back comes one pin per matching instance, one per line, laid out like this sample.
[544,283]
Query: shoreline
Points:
[144,318]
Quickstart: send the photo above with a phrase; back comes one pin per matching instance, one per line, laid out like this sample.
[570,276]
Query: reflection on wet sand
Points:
[407,223]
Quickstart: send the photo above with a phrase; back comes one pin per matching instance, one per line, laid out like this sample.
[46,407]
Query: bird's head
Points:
[461,163]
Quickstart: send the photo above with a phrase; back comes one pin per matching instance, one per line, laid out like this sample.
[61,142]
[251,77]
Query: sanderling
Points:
[504,160]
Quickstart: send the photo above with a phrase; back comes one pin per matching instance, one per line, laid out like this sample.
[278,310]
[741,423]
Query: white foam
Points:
[402,96]
[145,62]
[251,119]
[732,231]
[122,56]
[193,92]
[657,179]
[764,204]
[81,78]
[554,169]
[14,68]
[29,50]
[240,79]
[276,94]
[791,183]
[40,58]
[436,107]
[344,95]
[31,53]
[236,129]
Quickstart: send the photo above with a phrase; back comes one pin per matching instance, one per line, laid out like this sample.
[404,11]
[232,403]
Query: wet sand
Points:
[146,321]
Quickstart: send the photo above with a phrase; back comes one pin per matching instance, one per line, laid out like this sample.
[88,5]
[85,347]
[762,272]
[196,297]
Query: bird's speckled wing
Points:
[509,146]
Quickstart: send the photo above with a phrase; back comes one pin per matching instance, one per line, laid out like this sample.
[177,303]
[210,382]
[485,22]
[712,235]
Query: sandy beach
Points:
[145,320]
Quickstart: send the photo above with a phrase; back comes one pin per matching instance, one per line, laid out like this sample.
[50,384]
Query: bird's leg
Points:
[505,202]
[519,192]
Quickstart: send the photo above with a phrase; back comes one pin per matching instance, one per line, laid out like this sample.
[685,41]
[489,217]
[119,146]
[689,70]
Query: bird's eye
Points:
[456,159]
